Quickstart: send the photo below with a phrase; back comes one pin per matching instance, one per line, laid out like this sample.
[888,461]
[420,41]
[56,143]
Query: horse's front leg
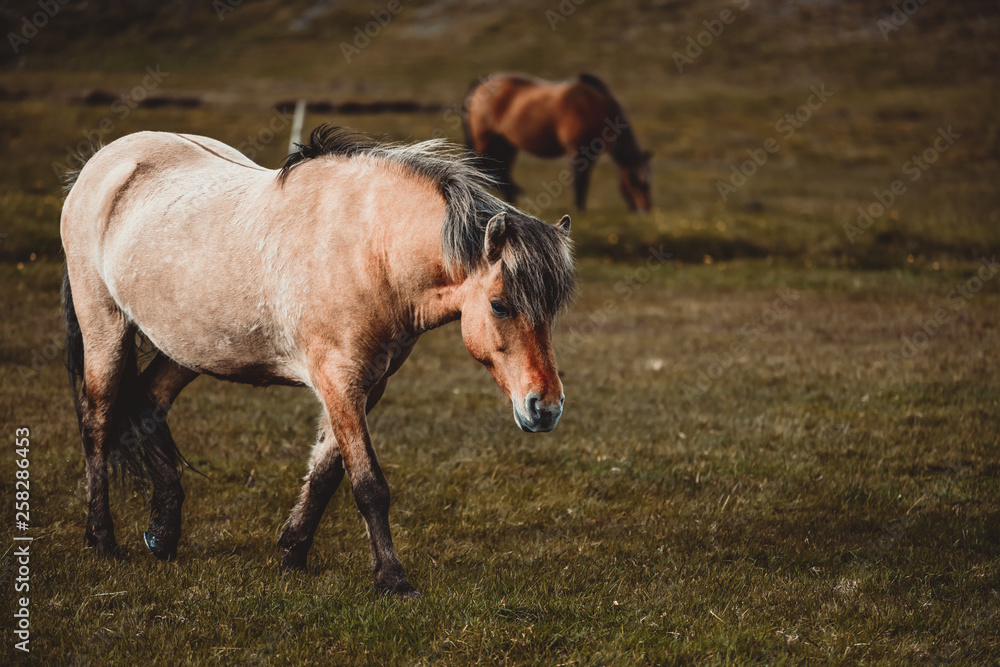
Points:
[581,167]
[346,411]
[326,471]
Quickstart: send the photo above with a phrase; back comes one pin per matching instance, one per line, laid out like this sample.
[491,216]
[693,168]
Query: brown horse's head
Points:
[635,181]
[525,276]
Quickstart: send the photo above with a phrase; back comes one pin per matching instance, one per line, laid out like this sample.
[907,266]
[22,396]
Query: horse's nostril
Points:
[532,405]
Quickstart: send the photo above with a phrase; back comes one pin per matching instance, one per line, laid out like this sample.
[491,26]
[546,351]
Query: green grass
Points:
[816,503]
[729,484]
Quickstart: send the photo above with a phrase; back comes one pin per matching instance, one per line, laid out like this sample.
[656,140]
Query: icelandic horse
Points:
[322,274]
[506,113]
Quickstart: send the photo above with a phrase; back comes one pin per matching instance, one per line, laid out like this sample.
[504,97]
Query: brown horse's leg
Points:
[162,381]
[326,471]
[581,179]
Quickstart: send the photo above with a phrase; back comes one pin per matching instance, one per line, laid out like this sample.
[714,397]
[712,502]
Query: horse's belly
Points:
[247,355]
[240,351]
[544,144]
[216,325]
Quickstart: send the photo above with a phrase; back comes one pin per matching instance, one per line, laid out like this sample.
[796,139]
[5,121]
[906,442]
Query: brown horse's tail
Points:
[484,163]
[467,100]
[141,445]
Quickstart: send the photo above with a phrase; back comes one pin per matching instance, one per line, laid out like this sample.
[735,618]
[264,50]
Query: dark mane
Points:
[538,273]
[327,139]
[592,80]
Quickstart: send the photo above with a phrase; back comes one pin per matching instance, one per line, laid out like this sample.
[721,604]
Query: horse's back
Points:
[160,220]
[588,105]
[163,146]
[489,101]
[545,118]
[141,163]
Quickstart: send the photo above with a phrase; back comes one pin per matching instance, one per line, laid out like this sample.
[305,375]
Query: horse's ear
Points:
[496,236]
[563,225]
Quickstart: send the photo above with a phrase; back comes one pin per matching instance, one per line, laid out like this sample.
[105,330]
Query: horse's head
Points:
[508,304]
[635,184]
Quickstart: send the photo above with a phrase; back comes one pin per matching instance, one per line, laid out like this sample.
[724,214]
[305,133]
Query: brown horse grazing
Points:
[322,274]
[580,118]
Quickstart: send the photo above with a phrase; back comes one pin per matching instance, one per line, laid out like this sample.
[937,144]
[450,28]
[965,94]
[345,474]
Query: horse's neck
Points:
[428,297]
[625,151]
[399,240]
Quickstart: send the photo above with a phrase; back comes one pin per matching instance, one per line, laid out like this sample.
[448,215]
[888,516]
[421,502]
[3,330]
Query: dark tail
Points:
[466,130]
[141,447]
[486,163]
[73,349]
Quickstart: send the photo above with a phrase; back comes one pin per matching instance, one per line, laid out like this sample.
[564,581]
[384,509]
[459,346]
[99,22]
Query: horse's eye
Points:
[499,309]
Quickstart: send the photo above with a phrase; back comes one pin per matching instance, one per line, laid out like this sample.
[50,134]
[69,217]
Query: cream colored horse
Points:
[323,275]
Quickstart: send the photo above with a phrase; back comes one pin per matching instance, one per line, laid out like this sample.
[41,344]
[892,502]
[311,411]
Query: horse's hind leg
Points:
[326,470]
[107,342]
[162,381]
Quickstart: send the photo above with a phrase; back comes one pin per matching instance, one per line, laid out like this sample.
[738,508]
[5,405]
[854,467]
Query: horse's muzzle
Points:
[536,416]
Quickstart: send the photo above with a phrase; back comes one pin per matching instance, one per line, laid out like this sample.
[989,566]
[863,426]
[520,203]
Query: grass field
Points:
[780,446]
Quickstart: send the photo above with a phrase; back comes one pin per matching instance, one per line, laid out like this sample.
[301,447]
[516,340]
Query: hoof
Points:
[293,563]
[114,552]
[401,590]
[107,549]
[409,594]
[159,547]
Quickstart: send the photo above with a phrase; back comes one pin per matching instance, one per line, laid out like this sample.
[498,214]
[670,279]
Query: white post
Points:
[300,116]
